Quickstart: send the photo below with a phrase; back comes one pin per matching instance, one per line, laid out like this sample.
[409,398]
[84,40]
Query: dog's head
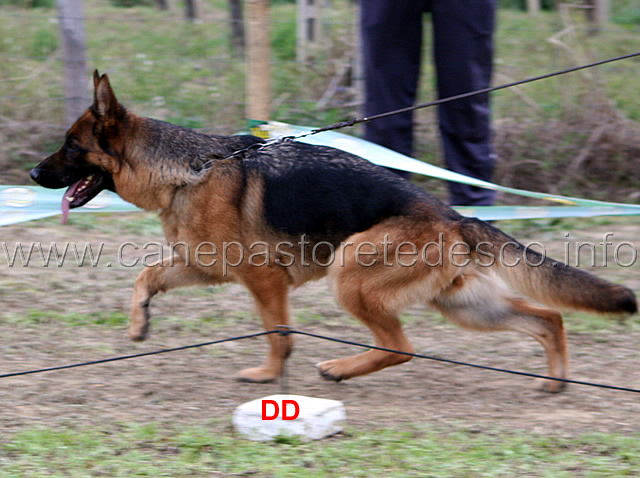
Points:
[91,153]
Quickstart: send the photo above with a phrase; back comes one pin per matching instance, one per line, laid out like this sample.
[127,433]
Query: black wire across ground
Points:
[465,364]
[285,330]
[142,354]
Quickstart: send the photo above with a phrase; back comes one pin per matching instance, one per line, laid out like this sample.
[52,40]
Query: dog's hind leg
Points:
[388,333]
[270,290]
[370,294]
[546,326]
[171,273]
[375,275]
[480,302]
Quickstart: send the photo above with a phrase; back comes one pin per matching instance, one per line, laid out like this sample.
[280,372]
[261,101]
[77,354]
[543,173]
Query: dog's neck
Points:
[167,156]
[152,195]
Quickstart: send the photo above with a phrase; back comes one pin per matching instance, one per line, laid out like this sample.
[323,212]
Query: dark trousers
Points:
[463,54]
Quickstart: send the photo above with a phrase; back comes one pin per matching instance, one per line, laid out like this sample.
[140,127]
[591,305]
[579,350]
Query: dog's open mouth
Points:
[81,193]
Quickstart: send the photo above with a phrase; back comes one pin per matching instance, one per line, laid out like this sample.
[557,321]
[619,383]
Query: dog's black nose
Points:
[35,174]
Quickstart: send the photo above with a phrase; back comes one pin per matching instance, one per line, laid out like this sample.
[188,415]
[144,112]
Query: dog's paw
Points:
[138,333]
[139,322]
[552,386]
[330,370]
[257,375]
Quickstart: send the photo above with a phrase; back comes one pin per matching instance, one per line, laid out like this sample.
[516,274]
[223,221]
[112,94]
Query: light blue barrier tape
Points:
[27,203]
[497,213]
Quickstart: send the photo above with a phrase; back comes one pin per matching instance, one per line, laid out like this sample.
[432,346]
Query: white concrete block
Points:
[317,418]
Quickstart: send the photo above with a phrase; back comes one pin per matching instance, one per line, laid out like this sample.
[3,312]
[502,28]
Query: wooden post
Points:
[190,10]
[76,92]
[533,7]
[602,13]
[357,72]
[598,15]
[258,61]
[307,29]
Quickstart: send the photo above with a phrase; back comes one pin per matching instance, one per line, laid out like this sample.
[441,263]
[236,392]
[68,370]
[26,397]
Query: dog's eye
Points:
[72,146]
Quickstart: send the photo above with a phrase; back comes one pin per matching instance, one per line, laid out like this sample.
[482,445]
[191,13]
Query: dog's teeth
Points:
[90,178]
[69,198]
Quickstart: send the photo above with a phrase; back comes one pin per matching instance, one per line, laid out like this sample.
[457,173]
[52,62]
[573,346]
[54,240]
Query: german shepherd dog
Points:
[383,242]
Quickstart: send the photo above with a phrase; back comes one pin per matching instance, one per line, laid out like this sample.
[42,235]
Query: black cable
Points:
[466,364]
[284,330]
[143,354]
[366,119]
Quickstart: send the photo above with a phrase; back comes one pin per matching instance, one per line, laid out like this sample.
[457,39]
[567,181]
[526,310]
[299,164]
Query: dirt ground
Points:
[197,386]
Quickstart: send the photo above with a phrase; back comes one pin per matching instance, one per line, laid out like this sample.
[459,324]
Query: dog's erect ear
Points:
[104,100]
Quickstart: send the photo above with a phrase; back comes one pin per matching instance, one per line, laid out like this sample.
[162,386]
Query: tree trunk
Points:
[76,92]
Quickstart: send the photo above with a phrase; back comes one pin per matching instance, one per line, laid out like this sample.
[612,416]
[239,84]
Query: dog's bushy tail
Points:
[544,279]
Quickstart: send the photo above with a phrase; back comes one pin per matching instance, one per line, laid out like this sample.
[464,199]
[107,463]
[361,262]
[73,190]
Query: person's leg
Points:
[463,55]
[391,32]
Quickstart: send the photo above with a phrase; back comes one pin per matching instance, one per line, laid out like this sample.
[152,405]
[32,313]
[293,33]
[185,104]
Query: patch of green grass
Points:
[44,42]
[145,224]
[142,223]
[314,316]
[149,450]
[532,227]
[597,325]
[119,320]
[283,33]
[523,49]
[626,12]
[105,319]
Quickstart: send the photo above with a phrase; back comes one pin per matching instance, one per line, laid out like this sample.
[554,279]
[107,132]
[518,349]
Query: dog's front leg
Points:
[270,289]
[169,274]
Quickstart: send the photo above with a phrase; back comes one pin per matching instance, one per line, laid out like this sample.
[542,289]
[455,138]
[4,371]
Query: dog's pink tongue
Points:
[66,203]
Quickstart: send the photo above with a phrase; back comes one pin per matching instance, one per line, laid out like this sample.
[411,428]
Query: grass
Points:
[420,450]
[107,319]
[560,225]
[141,223]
